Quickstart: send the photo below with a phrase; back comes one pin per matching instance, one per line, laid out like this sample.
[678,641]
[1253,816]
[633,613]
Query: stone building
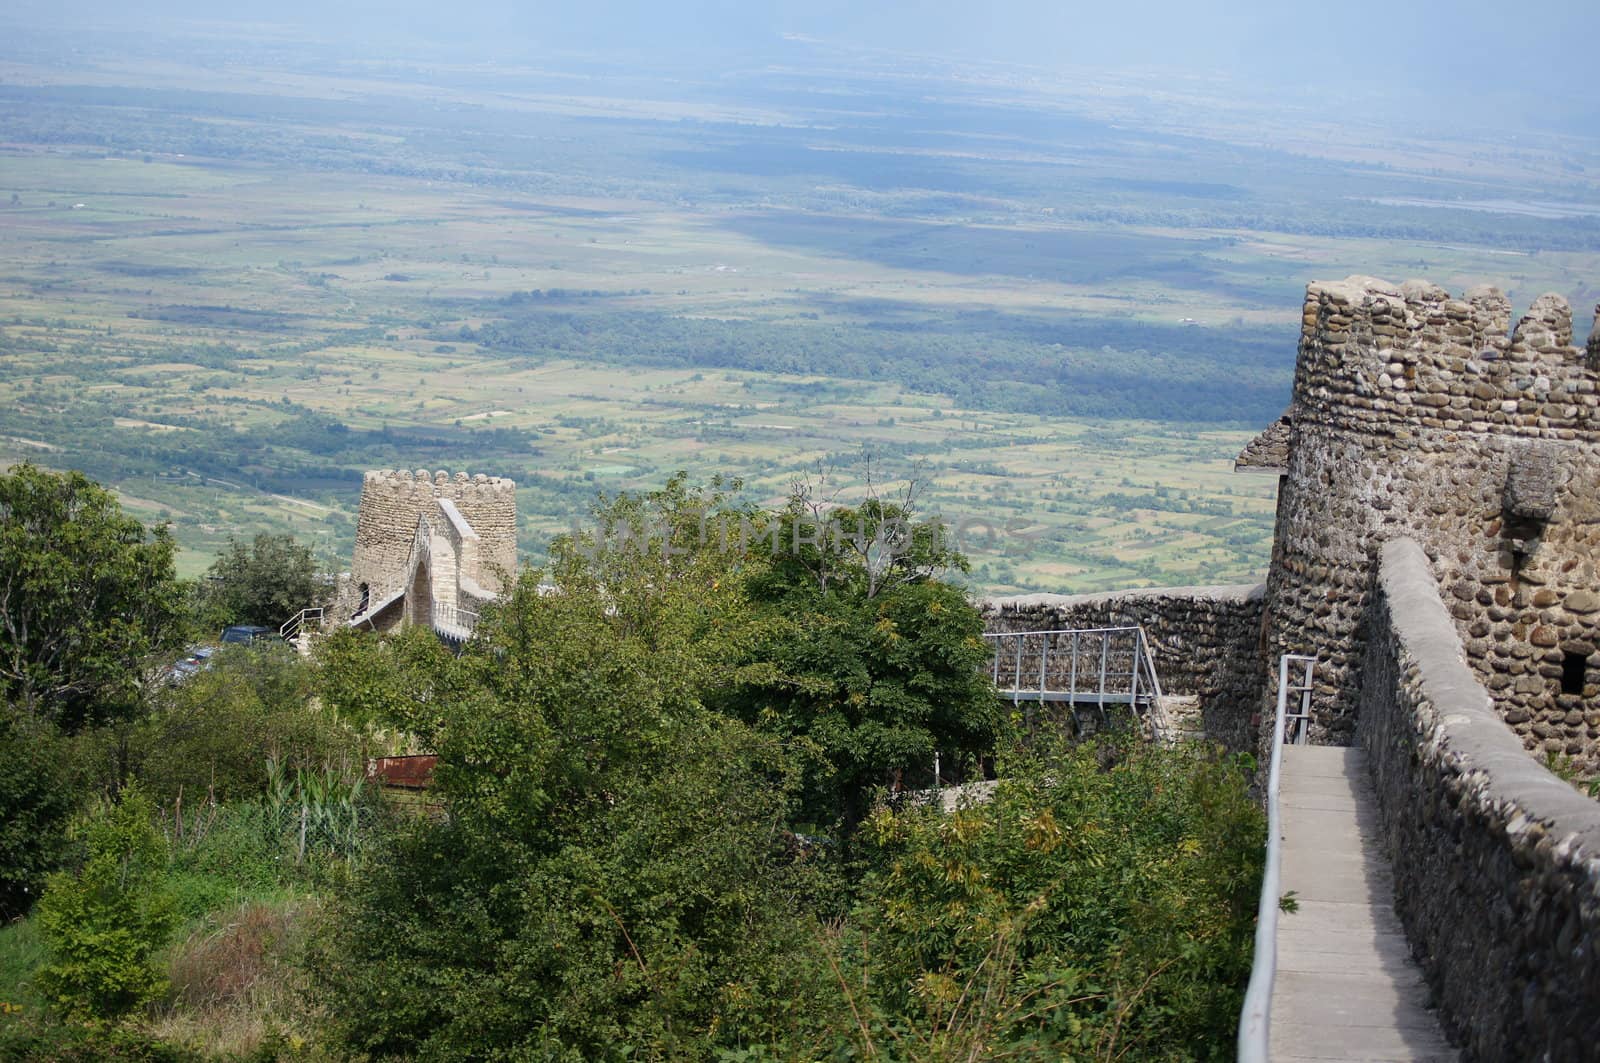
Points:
[431,549]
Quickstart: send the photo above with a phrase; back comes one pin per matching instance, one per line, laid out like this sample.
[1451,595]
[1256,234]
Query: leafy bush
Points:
[875,685]
[104,922]
[36,798]
[1099,907]
[393,683]
[210,736]
[38,1038]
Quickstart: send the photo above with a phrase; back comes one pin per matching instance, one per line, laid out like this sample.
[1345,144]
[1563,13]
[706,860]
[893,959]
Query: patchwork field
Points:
[228,297]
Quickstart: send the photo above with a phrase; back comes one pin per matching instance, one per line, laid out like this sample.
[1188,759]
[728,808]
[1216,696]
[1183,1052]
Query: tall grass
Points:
[22,953]
[237,987]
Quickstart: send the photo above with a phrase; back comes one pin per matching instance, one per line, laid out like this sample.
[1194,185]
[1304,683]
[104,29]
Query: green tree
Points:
[613,870]
[87,596]
[104,922]
[864,651]
[35,800]
[843,639]
[265,583]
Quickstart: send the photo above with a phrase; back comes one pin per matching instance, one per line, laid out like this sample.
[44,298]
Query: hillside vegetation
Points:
[675,816]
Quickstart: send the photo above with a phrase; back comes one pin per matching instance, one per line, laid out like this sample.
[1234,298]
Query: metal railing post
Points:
[1016,676]
[1072,692]
[1105,647]
[1303,733]
[1044,663]
[1133,677]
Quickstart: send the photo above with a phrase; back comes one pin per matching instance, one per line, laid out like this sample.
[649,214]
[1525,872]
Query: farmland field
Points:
[228,299]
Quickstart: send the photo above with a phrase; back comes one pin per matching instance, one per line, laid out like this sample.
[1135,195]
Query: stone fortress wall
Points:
[1438,551]
[1418,415]
[468,556]
[1205,641]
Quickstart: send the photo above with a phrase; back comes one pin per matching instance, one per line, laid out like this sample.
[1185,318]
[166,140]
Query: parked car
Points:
[198,658]
[247,633]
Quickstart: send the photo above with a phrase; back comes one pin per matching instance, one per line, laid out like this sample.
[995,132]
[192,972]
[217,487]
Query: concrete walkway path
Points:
[1347,987]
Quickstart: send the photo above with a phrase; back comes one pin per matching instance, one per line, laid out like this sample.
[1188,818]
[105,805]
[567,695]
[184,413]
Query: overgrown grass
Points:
[237,982]
[246,882]
[21,954]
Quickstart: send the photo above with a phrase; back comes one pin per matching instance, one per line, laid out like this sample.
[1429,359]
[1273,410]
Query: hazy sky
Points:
[1457,54]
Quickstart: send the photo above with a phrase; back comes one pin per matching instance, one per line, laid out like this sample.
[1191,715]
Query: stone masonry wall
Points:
[1206,641]
[1419,415]
[1496,861]
[391,502]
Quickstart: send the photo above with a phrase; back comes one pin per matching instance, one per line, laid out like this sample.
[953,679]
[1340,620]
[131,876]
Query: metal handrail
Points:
[452,621]
[1255,1018]
[292,627]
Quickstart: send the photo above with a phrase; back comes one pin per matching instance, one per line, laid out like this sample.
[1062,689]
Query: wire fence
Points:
[305,816]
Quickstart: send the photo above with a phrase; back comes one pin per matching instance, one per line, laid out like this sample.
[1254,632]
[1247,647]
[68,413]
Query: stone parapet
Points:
[1392,359]
[1420,415]
[1496,860]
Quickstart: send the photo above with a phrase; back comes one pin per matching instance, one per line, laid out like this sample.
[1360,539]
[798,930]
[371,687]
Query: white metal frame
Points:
[1090,652]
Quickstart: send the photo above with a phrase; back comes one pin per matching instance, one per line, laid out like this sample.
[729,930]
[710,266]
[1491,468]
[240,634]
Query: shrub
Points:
[35,800]
[104,922]
[1100,906]
[37,1038]
[212,734]
[658,910]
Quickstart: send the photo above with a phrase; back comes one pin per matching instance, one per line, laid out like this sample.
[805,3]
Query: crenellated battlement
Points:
[473,519]
[1384,358]
[440,484]
[1419,414]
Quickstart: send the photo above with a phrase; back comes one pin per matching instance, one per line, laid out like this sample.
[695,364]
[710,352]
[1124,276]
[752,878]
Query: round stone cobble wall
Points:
[1496,861]
[1417,415]
[1205,641]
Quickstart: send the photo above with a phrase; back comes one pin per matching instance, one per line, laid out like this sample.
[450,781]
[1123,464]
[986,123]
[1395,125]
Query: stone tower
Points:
[431,544]
[1418,414]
